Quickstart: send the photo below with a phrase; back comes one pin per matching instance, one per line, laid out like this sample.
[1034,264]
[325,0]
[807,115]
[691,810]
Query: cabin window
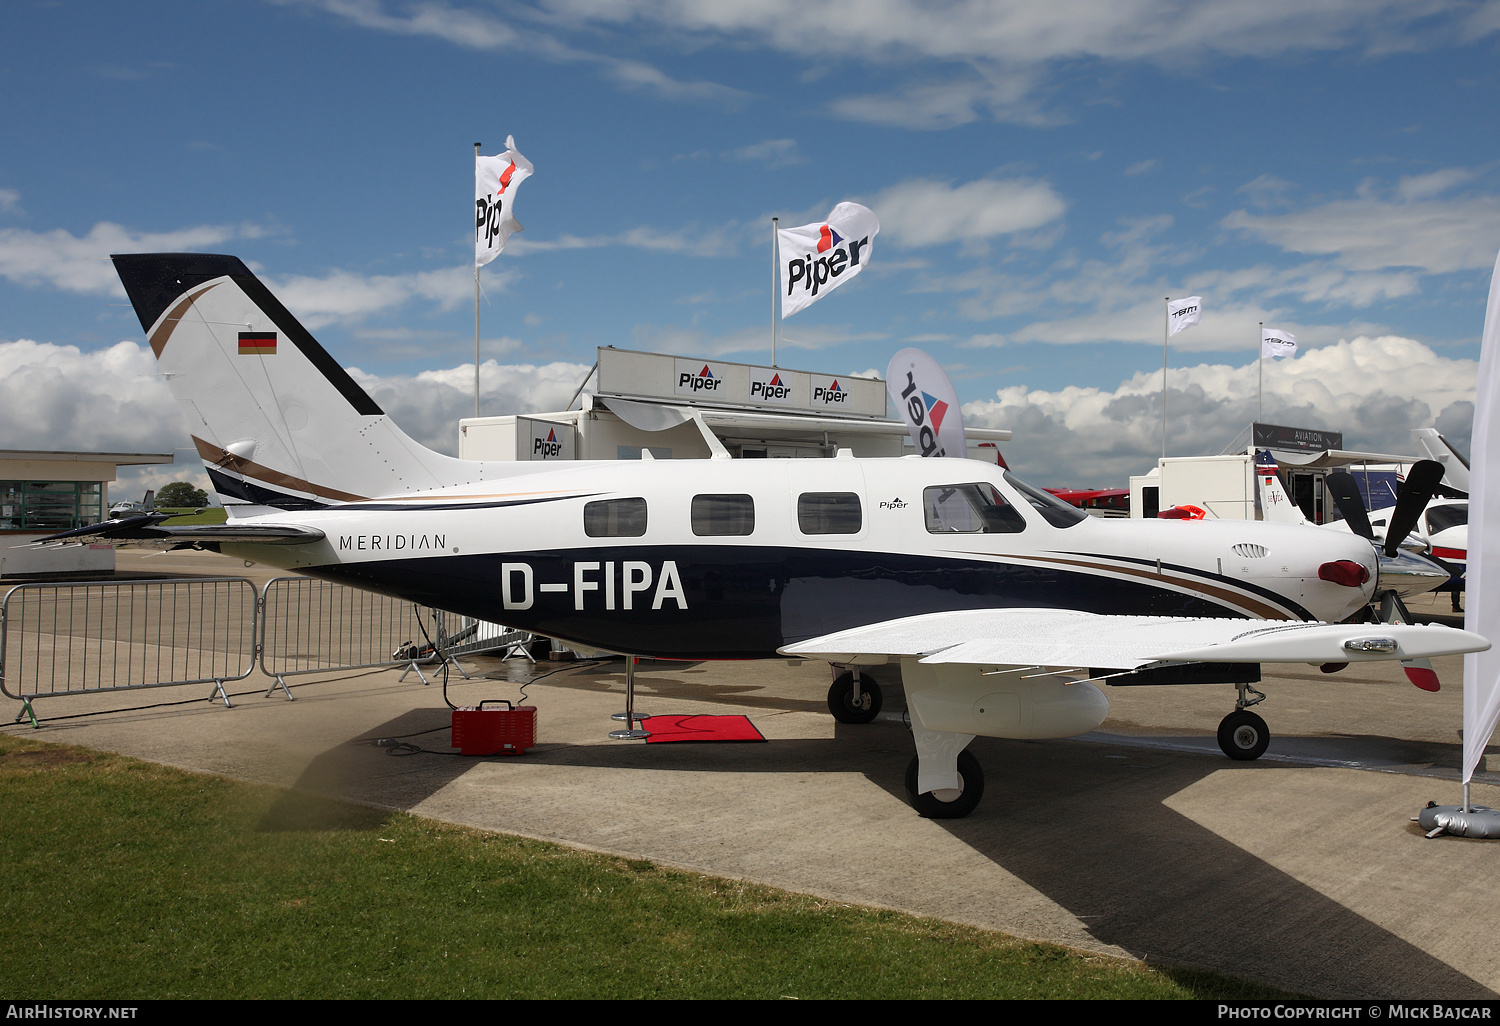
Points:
[615,518]
[969,509]
[1440,518]
[829,513]
[1053,510]
[721,515]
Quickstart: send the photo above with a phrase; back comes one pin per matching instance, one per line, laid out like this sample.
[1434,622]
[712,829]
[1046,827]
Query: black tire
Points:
[841,699]
[929,806]
[1243,735]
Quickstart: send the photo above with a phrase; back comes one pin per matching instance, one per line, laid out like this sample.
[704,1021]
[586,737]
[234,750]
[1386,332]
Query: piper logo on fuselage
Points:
[595,583]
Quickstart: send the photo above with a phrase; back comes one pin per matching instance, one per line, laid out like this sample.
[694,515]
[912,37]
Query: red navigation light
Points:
[1345,572]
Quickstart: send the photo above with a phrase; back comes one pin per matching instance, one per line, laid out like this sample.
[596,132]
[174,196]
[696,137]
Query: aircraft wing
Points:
[1068,638]
[147,528]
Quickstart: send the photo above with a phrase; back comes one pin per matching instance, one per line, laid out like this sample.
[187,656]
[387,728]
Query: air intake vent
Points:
[1250,550]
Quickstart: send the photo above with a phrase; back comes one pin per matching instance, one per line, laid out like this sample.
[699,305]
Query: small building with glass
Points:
[43,492]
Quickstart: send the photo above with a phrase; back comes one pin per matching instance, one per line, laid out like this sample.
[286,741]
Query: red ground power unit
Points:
[481,731]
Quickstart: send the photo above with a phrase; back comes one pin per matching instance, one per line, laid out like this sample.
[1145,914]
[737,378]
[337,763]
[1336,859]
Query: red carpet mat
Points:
[701,728]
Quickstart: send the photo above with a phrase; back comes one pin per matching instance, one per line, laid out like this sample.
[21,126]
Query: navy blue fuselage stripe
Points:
[248,491]
[744,602]
[1233,582]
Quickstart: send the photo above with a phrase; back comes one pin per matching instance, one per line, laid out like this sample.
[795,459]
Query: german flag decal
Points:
[257,343]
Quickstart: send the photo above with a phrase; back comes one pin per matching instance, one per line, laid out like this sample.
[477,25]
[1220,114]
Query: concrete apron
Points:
[1300,870]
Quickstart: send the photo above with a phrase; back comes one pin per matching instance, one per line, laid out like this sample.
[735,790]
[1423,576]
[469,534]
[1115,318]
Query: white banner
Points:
[927,402]
[818,258]
[1277,343]
[1183,313]
[1482,603]
[496,180]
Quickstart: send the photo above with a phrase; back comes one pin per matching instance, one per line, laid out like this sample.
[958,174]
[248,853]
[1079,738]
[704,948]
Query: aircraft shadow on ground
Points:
[1084,824]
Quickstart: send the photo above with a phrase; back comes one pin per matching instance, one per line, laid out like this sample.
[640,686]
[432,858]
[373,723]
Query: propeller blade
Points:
[1345,491]
[1417,490]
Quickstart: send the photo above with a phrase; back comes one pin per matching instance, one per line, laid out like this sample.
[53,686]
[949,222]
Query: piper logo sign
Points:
[769,385]
[700,379]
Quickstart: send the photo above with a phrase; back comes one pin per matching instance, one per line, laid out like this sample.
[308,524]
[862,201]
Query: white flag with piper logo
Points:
[818,258]
[1183,314]
[928,403]
[1277,343]
[496,180]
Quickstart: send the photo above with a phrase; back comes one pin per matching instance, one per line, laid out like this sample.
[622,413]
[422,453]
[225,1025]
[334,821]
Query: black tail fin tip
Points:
[154,280]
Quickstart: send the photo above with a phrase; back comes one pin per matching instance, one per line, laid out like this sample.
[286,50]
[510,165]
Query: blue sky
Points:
[1044,173]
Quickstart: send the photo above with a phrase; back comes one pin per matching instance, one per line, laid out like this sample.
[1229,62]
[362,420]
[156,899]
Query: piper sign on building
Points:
[817,258]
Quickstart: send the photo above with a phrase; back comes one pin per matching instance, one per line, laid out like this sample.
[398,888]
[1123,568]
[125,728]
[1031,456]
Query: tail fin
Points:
[1455,467]
[275,419]
[1275,504]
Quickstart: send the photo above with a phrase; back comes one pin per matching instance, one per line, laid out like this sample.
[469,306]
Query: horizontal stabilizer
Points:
[148,528]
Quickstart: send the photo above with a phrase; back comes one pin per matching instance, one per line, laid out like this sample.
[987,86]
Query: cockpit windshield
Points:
[1053,510]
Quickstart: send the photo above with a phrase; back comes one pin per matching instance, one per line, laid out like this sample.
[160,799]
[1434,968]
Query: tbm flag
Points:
[1183,313]
[1277,343]
[818,258]
[496,180]
[928,403]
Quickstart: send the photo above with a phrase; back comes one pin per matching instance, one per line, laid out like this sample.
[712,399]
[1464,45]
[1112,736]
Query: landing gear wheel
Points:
[1244,735]
[841,699]
[948,803]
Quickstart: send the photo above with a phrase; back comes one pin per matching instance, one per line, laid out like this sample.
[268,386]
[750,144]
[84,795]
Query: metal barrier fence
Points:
[58,639]
[472,637]
[312,626]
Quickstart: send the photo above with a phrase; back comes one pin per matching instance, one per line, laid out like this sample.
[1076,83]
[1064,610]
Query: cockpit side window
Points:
[1053,510]
[969,509]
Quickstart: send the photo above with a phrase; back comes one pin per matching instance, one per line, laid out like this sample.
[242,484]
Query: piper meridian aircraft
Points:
[1001,605]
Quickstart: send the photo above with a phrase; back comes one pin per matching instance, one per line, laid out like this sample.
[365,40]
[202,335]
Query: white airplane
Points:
[1404,571]
[1001,605]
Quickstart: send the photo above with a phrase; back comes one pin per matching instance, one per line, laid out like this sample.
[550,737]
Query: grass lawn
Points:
[184,517]
[126,879]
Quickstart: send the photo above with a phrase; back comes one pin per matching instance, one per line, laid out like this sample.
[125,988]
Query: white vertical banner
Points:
[1183,314]
[928,403]
[817,258]
[1482,604]
[496,180]
[1275,343]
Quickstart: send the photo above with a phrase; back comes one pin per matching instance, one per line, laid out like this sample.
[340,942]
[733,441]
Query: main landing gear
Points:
[1243,736]
[948,802]
[854,697]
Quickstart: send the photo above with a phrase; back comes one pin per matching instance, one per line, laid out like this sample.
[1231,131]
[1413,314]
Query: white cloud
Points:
[479,29]
[1374,390]
[693,240]
[924,212]
[10,201]
[1415,226]
[114,400]
[343,296]
[65,261]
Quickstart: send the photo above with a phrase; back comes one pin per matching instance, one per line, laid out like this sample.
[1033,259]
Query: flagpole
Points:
[476,305]
[1260,388]
[1166,327]
[775,289]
